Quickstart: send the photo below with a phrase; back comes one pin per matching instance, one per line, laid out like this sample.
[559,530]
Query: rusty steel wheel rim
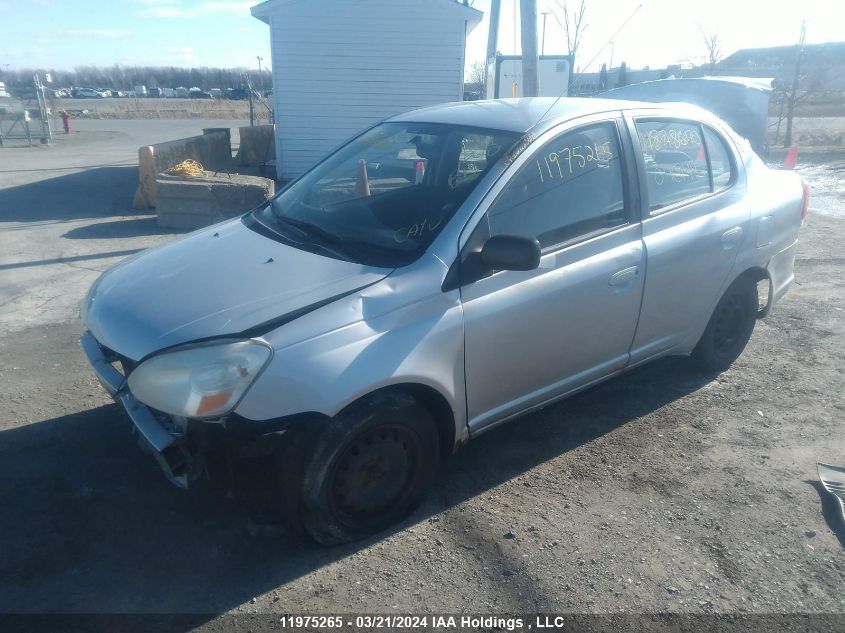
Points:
[373,473]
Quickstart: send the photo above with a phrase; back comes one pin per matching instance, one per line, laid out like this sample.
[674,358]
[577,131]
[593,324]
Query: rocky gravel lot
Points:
[662,491]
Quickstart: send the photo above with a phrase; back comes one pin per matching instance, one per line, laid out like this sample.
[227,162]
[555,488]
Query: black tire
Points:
[370,467]
[729,327]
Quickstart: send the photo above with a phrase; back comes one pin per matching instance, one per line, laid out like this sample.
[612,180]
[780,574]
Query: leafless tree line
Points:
[119,77]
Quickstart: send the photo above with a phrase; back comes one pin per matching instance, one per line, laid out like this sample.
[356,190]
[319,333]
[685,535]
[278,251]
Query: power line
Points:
[572,83]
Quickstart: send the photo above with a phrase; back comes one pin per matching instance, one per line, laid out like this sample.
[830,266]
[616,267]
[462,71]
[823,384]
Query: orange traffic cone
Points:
[791,159]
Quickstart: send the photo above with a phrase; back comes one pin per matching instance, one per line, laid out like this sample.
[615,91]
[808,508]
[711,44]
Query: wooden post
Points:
[528,29]
[251,106]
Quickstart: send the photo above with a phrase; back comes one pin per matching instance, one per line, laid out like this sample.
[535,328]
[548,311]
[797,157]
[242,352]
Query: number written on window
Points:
[567,160]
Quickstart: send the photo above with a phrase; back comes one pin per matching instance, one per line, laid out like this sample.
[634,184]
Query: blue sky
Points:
[66,33]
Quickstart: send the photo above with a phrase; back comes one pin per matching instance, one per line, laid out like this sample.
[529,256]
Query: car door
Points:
[694,222]
[531,336]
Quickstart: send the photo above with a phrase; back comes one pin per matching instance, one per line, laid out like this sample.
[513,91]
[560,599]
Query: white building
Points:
[342,65]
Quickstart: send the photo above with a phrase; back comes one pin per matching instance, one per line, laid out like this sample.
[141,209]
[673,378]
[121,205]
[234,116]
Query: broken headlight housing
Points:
[199,381]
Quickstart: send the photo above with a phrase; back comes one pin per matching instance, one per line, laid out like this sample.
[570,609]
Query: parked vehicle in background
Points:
[155,93]
[168,93]
[181,92]
[237,94]
[140,91]
[196,93]
[455,267]
[91,93]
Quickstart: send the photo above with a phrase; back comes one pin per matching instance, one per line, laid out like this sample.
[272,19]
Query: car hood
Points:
[219,281]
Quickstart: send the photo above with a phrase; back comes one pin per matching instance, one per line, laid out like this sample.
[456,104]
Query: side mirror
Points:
[511,252]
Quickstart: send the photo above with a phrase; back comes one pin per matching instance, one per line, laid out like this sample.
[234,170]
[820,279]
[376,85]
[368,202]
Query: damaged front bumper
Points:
[257,462]
[167,445]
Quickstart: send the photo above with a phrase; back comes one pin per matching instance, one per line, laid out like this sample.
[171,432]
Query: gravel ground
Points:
[661,491]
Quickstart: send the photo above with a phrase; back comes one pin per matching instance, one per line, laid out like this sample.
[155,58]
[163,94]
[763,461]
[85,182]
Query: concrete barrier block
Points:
[258,145]
[145,195]
[192,203]
[213,151]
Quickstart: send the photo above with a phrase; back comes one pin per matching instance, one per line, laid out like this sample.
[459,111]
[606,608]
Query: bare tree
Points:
[796,81]
[477,74]
[573,24]
[713,44]
[125,77]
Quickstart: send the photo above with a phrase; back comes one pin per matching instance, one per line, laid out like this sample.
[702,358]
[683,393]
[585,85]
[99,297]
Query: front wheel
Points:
[370,467]
[729,328]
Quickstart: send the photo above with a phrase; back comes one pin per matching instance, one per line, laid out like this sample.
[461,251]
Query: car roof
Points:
[518,115]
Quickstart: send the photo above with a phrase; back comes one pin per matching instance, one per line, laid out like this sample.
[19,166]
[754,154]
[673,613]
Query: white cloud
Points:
[166,11]
[111,34]
[173,9]
[234,7]
[181,54]
[13,53]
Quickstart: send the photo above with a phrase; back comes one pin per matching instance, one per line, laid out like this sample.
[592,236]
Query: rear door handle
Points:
[731,238]
[623,276]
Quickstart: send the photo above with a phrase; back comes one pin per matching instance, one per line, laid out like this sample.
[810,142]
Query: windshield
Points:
[383,197]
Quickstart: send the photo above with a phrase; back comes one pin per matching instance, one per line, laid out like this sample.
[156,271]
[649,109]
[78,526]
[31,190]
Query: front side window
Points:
[572,187]
[675,161]
[382,198]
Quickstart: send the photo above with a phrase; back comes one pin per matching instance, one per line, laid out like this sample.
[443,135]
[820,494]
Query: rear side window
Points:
[675,161]
[720,159]
[570,188]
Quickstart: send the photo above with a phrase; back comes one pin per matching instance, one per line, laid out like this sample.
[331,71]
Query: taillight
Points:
[805,209]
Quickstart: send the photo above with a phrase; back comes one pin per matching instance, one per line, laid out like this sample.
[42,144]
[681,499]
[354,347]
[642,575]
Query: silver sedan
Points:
[443,272]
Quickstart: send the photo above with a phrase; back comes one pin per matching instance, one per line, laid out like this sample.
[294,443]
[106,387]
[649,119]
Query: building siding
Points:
[341,65]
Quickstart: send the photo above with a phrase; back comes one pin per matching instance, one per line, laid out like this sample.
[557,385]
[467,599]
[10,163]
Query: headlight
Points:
[203,381]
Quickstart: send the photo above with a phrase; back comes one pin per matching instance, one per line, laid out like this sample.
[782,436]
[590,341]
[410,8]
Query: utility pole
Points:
[492,37]
[799,59]
[528,30]
[260,76]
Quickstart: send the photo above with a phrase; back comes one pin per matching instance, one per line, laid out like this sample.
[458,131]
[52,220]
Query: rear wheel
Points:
[370,467]
[730,327]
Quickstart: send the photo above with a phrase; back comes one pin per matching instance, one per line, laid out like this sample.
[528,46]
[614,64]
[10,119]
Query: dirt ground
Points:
[661,491]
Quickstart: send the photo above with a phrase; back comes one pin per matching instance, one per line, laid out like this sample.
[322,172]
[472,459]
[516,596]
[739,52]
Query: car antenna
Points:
[604,46]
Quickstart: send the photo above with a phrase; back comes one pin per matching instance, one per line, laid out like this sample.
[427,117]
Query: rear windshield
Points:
[382,198]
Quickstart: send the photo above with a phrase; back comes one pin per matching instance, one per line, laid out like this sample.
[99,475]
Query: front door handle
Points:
[731,238]
[623,276]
